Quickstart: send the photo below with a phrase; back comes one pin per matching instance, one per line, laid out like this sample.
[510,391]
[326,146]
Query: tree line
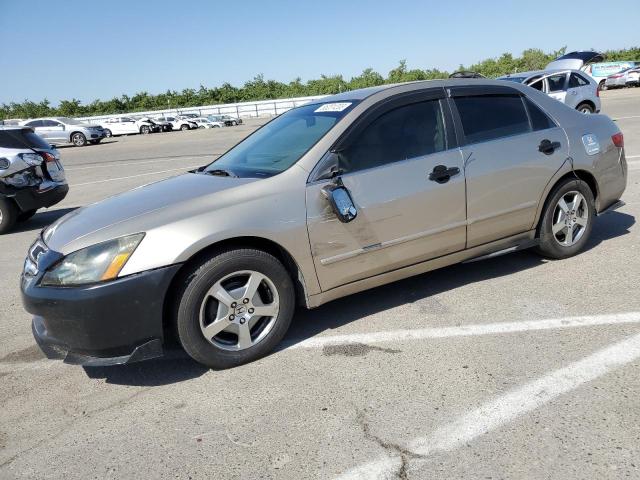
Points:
[260,89]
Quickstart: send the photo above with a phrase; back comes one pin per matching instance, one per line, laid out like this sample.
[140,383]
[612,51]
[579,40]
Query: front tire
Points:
[78,139]
[234,307]
[145,130]
[184,127]
[567,220]
[602,86]
[8,215]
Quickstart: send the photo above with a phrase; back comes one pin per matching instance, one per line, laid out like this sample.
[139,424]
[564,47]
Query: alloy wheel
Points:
[239,310]
[570,218]
[78,139]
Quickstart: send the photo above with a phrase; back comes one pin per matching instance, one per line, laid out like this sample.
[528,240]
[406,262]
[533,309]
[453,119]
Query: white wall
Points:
[244,109]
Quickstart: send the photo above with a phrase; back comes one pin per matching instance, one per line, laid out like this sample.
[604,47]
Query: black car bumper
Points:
[30,198]
[111,323]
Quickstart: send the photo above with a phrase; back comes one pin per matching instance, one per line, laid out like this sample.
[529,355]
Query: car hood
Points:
[138,210]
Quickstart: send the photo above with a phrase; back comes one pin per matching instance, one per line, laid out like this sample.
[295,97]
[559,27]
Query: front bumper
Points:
[111,323]
[30,198]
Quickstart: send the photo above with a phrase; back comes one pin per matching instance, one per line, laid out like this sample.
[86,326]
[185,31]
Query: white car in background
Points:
[228,120]
[206,123]
[127,126]
[571,87]
[627,78]
[178,123]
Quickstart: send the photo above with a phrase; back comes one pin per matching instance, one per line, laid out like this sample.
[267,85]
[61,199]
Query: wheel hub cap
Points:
[570,218]
[239,310]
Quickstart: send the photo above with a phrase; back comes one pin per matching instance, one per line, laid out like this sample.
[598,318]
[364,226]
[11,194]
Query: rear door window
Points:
[576,81]
[539,119]
[21,138]
[487,117]
[34,123]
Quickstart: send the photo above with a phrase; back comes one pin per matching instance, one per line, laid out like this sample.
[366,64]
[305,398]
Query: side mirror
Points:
[341,202]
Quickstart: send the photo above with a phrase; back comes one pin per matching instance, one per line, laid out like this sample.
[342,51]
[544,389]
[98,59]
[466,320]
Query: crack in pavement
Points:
[398,450]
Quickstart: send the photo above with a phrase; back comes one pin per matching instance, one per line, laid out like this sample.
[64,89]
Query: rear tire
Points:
[235,336]
[78,139]
[8,215]
[107,133]
[585,108]
[602,86]
[145,130]
[567,220]
[184,127]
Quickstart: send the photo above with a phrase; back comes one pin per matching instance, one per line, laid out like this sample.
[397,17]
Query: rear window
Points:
[487,117]
[21,138]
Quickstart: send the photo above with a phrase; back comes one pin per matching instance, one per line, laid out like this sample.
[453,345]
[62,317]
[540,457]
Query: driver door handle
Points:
[442,173]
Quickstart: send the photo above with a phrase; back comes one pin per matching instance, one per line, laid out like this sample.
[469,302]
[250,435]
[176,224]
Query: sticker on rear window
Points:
[591,144]
[333,107]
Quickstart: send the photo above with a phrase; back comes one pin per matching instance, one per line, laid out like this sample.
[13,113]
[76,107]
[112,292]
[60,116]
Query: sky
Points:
[65,49]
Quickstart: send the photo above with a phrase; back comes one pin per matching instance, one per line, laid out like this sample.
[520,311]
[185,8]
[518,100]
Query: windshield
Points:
[281,142]
[70,121]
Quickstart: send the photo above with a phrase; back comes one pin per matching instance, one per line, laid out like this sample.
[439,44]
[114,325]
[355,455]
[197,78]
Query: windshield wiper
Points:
[219,172]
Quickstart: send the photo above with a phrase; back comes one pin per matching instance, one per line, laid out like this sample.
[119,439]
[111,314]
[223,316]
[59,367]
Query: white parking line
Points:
[505,408]
[632,156]
[415,334]
[470,330]
[185,168]
[624,118]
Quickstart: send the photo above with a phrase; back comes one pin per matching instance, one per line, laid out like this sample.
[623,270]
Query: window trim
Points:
[374,112]
[506,92]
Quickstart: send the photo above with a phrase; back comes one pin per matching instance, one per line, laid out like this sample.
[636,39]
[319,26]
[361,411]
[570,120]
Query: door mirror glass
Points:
[341,202]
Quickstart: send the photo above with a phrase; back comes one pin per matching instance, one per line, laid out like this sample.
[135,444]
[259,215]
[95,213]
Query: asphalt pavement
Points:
[515,368]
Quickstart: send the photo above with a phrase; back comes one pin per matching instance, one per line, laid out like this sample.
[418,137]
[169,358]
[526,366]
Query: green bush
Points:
[260,89]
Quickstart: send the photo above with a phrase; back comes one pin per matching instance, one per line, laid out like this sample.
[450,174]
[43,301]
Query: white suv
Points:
[178,123]
[126,126]
[572,87]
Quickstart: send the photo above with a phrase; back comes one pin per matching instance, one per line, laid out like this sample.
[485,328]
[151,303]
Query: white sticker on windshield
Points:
[591,144]
[333,107]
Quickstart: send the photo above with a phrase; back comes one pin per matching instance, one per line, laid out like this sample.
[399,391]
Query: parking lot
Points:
[515,367]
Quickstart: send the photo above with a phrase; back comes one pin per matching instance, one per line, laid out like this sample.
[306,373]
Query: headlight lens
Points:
[96,263]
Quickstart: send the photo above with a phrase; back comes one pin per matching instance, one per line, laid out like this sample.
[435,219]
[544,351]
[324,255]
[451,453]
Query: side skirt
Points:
[479,252]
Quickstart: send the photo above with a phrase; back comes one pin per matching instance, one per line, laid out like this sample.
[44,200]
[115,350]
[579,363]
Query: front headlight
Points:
[93,264]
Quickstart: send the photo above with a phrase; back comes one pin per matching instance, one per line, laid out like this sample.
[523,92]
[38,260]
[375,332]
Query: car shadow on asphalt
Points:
[102,142]
[176,366]
[309,323]
[41,220]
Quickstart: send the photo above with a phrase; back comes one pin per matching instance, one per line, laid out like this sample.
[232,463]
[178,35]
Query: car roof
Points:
[532,73]
[364,93]
[14,127]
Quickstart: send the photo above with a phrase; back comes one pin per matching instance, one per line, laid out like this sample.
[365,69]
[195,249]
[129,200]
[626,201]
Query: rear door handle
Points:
[548,147]
[442,173]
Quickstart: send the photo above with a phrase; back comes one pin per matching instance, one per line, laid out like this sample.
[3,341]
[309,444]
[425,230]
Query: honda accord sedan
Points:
[328,199]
